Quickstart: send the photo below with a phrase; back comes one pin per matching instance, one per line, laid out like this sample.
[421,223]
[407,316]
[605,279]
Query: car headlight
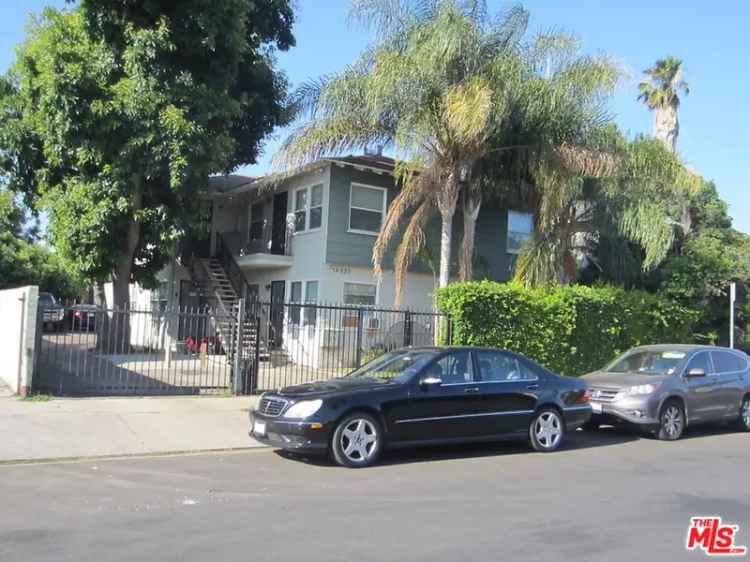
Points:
[303,409]
[641,389]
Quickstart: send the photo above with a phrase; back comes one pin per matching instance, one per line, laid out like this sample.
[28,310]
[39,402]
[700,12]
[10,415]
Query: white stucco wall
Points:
[18,309]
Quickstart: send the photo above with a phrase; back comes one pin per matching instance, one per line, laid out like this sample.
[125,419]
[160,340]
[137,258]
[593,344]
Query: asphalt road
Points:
[609,496]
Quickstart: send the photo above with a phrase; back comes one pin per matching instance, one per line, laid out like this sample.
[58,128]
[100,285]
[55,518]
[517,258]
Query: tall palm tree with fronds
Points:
[435,85]
[660,92]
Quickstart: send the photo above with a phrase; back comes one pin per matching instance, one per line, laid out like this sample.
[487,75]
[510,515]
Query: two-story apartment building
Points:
[308,239]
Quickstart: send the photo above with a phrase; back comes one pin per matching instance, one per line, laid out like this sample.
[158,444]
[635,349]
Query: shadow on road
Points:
[577,440]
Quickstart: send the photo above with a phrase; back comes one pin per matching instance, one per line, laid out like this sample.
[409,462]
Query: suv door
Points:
[701,391]
[729,384]
[442,411]
[509,393]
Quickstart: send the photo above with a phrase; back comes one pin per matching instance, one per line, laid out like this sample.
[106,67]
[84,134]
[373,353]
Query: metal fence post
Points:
[358,349]
[408,330]
[237,375]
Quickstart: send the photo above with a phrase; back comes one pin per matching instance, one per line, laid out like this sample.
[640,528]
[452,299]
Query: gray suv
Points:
[665,388]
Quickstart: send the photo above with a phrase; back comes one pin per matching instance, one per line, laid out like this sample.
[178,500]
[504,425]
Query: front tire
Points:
[357,441]
[744,421]
[671,421]
[547,430]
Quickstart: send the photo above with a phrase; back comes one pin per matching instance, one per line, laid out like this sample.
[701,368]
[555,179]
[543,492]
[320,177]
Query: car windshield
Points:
[396,366]
[46,298]
[662,362]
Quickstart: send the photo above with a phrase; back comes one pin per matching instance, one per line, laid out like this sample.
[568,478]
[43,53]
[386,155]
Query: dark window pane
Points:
[316,217]
[368,221]
[700,361]
[454,368]
[495,366]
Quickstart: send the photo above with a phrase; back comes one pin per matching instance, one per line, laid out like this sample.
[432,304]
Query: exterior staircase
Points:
[226,303]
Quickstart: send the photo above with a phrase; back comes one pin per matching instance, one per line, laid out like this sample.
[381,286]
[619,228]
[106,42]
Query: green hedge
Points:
[572,330]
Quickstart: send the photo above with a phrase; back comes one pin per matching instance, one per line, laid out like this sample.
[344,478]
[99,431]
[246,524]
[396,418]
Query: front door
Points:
[278,225]
[701,391]
[192,300]
[444,411]
[276,325]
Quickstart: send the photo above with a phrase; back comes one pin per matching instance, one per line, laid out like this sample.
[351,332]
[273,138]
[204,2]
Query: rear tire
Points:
[547,430]
[744,421]
[671,421]
[357,441]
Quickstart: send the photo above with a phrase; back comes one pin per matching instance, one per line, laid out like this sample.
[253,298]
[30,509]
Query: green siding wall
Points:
[348,248]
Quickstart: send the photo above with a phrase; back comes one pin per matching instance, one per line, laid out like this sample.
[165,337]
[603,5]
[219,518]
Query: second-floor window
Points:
[520,228]
[366,208]
[308,208]
[257,222]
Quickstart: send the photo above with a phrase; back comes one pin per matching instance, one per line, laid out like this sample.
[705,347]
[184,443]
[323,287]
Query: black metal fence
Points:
[255,346]
[299,343]
[85,351]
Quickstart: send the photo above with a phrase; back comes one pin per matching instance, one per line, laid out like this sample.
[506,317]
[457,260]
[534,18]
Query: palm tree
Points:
[433,87]
[660,94]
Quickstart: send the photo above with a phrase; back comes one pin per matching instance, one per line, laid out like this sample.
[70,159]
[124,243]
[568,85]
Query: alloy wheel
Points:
[359,440]
[672,421]
[548,429]
[746,413]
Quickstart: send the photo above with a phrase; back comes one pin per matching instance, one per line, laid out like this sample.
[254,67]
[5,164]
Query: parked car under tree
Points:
[664,388]
[53,313]
[423,396]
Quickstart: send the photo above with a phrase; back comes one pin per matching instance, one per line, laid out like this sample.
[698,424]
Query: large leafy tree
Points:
[116,112]
[660,92]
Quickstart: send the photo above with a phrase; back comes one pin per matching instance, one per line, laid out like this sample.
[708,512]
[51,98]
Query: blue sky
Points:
[711,39]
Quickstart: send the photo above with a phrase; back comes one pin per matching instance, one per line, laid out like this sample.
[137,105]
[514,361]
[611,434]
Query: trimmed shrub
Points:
[571,330]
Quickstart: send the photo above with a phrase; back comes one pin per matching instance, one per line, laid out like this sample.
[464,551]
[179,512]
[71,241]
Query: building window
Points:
[308,208]
[360,294]
[366,208]
[520,228]
[307,314]
[257,222]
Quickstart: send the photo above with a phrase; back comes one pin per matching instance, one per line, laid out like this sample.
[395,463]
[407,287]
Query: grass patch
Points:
[38,397]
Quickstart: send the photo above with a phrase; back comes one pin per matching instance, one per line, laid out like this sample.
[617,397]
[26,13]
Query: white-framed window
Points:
[360,294]
[308,208]
[520,228]
[303,292]
[367,205]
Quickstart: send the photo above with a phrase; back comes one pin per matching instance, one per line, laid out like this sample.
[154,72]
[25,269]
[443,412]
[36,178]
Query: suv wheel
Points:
[357,440]
[744,420]
[547,430]
[671,421]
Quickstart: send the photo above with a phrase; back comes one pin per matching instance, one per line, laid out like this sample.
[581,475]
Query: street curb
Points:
[104,458]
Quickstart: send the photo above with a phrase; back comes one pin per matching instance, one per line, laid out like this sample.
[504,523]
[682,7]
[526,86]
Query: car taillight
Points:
[584,397]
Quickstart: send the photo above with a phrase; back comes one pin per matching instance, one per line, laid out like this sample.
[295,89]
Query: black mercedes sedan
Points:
[423,396]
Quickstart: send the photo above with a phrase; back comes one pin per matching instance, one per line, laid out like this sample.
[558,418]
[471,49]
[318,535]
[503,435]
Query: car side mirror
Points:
[692,373]
[430,381]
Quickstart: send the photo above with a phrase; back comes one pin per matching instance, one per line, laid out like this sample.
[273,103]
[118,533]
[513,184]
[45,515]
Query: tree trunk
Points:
[447,201]
[119,342]
[667,126]
[471,205]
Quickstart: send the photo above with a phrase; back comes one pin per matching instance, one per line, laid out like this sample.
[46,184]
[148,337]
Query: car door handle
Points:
[533,387]
[472,389]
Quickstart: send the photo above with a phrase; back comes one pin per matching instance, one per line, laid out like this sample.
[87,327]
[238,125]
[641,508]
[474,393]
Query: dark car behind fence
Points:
[253,347]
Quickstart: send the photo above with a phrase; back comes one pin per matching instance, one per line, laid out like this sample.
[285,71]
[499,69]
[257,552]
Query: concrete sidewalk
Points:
[91,427]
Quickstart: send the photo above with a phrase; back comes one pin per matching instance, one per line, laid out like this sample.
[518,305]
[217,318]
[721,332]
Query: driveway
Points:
[609,496]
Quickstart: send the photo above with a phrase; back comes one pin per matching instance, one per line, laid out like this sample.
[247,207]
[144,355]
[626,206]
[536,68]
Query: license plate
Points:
[596,408]
[259,428]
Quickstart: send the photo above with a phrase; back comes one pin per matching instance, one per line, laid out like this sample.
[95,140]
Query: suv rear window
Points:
[726,362]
